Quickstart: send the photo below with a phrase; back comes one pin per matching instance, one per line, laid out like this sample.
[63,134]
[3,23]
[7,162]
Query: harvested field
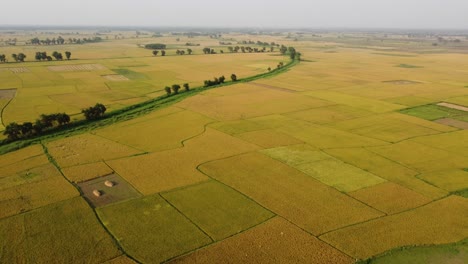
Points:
[275,241]
[115,77]
[217,209]
[287,192]
[161,171]
[402,82]
[154,222]
[86,172]
[453,123]
[7,93]
[77,67]
[120,191]
[440,222]
[390,198]
[65,232]
[87,148]
[454,106]
[19,70]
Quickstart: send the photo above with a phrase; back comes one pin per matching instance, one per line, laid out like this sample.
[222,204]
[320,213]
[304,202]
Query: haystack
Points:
[97,193]
[109,183]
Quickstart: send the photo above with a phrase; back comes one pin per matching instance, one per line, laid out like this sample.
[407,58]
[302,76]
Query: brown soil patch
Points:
[454,106]
[7,93]
[19,70]
[79,67]
[401,82]
[121,190]
[453,123]
[275,241]
[115,77]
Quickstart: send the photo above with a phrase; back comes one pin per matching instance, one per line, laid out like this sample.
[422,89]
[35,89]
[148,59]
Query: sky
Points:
[400,14]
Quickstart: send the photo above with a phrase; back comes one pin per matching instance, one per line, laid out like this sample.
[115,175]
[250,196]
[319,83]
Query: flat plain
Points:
[353,153]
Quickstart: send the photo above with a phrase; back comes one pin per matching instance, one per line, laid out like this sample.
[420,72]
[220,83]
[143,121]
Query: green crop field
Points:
[357,152]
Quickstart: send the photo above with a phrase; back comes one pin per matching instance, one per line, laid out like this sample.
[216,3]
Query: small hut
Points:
[97,193]
[109,183]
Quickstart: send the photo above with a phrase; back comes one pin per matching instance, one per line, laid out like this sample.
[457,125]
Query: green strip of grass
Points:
[129,112]
[448,253]
[433,112]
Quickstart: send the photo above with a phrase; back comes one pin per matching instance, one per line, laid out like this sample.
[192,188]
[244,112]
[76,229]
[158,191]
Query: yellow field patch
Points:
[268,138]
[455,142]
[387,169]
[236,126]
[440,222]
[409,100]
[163,170]
[288,192]
[390,198]
[87,148]
[161,133]
[19,155]
[450,180]
[86,172]
[28,163]
[329,114]
[355,101]
[275,241]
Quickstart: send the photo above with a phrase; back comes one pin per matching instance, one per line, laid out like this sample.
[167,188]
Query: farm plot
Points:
[268,138]
[217,209]
[409,100]
[329,114]
[33,188]
[421,157]
[162,171]
[115,77]
[111,189]
[171,130]
[65,232]
[453,123]
[275,241]
[455,142]
[77,67]
[440,222]
[19,155]
[87,148]
[450,180]
[433,112]
[387,169]
[325,168]
[86,172]
[390,127]
[159,232]
[287,192]
[390,198]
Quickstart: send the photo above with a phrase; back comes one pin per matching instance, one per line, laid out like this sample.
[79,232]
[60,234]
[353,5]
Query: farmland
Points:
[357,151]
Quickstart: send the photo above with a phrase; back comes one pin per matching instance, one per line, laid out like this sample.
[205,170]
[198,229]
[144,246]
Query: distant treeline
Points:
[155,46]
[61,41]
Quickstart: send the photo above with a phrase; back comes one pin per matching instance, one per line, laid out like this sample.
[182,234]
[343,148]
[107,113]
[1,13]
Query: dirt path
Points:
[454,106]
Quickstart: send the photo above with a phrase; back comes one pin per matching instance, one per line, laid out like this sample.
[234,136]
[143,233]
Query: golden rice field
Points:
[343,157]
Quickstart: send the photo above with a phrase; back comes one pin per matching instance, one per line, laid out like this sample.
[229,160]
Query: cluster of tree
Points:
[219,80]
[94,112]
[249,49]
[225,43]
[260,43]
[61,41]
[209,51]
[155,52]
[15,131]
[156,46]
[2,58]
[175,88]
[18,57]
[192,44]
[182,52]
[40,56]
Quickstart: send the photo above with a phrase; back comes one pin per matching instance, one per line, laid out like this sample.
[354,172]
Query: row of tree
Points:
[41,56]
[220,80]
[15,131]
[155,46]
[61,41]
[175,88]
[163,52]
[260,43]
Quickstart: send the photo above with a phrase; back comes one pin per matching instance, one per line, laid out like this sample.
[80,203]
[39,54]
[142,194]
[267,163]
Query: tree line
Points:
[40,56]
[61,41]
[46,122]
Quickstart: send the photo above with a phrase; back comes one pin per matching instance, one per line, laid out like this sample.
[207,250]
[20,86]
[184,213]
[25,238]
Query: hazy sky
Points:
[240,13]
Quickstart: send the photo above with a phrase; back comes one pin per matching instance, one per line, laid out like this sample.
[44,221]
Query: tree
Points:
[206,50]
[2,58]
[26,129]
[12,131]
[233,77]
[189,51]
[63,119]
[68,55]
[155,52]
[21,57]
[221,79]
[168,90]
[14,56]
[94,112]
[175,88]
[186,86]
[163,53]
[269,69]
